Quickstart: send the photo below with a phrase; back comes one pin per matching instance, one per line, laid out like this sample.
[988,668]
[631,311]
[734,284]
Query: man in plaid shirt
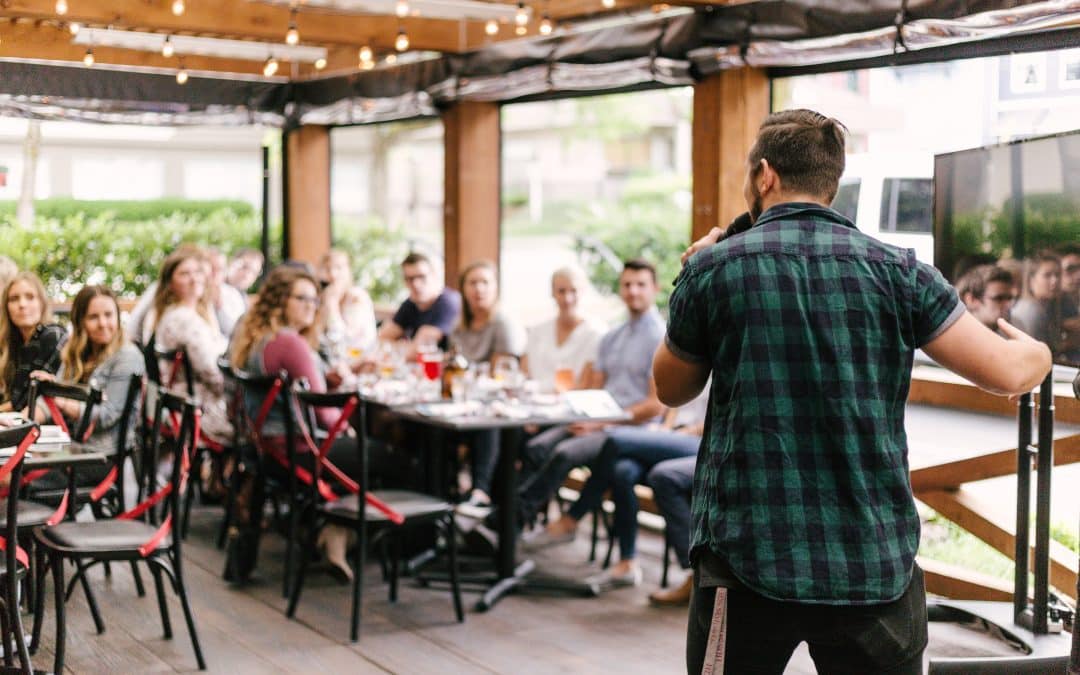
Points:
[804,527]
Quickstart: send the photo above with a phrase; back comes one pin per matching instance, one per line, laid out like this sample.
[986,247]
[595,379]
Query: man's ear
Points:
[767,178]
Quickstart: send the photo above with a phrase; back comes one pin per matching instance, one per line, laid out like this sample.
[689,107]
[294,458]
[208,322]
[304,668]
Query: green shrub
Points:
[124,255]
[130,210]
[647,222]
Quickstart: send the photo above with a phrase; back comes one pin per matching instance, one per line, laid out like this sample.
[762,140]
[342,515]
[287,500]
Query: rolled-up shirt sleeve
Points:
[687,337]
[936,307]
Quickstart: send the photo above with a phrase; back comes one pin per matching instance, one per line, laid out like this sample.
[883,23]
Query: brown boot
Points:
[673,597]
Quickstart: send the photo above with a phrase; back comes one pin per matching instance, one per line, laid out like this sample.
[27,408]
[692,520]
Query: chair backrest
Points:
[185,412]
[18,438]
[261,394]
[179,363]
[235,399]
[48,390]
[323,470]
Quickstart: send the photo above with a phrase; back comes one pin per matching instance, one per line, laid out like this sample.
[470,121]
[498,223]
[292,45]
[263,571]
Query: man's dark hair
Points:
[978,278]
[415,258]
[805,148]
[1068,249]
[638,264]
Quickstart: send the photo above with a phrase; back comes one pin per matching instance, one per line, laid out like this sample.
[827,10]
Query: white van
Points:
[890,196]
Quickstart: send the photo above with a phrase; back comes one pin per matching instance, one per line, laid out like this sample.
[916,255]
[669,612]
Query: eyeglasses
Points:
[312,300]
[1002,298]
[410,278]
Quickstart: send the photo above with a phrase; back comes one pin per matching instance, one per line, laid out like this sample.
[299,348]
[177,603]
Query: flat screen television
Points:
[1017,205]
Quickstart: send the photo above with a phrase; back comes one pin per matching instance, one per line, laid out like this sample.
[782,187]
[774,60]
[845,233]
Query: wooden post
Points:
[471,213]
[307,182]
[728,109]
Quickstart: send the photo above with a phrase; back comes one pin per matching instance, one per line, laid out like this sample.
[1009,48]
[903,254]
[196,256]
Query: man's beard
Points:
[755,205]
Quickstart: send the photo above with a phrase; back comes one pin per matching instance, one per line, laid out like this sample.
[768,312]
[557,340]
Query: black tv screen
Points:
[1017,206]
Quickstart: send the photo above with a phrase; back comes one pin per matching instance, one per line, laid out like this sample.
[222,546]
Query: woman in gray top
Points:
[1038,312]
[484,334]
[98,354]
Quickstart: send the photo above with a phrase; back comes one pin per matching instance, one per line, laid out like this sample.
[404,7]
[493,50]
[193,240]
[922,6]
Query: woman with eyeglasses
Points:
[281,333]
[29,340]
[183,317]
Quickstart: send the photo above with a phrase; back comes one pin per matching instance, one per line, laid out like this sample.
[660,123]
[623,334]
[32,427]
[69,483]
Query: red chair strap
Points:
[177,365]
[103,487]
[20,451]
[152,543]
[20,554]
[267,405]
[60,511]
[54,412]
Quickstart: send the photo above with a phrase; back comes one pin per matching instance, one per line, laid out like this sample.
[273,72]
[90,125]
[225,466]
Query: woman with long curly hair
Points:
[183,317]
[281,332]
[29,340]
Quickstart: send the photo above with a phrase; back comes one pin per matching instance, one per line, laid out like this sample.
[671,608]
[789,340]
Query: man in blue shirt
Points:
[623,368]
[430,312]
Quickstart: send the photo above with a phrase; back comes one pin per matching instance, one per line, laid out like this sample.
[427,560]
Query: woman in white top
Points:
[347,311]
[560,352]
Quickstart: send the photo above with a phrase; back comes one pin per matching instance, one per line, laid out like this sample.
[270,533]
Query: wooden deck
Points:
[244,630]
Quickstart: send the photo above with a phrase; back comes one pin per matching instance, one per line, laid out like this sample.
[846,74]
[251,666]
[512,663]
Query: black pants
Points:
[886,639]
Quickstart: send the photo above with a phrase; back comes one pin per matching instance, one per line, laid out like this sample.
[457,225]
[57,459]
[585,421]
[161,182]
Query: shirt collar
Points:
[804,209]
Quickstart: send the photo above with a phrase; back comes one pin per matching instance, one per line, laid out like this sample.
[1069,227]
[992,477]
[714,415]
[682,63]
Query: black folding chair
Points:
[16,562]
[139,534]
[391,513]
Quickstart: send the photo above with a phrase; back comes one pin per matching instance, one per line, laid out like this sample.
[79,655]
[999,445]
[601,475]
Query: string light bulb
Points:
[181,75]
[365,54]
[367,65]
[608,4]
[178,7]
[74,27]
[391,59]
[546,26]
[521,30]
[401,42]
[401,8]
[292,36]
[88,58]
[320,63]
[491,27]
[167,47]
[61,7]
[521,17]
[270,67]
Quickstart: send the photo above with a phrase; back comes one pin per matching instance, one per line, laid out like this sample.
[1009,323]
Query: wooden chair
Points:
[139,534]
[389,512]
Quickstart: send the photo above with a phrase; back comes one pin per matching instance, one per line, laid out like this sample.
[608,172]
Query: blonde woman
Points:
[97,354]
[182,317]
[29,340]
[347,311]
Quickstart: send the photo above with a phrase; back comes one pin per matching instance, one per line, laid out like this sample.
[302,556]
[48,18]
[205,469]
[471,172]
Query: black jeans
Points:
[886,639]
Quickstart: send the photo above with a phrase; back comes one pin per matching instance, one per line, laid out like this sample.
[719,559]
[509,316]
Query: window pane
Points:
[847,199]
[913,205]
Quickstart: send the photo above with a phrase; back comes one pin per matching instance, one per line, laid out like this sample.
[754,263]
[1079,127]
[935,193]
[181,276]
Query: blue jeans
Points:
[627,456]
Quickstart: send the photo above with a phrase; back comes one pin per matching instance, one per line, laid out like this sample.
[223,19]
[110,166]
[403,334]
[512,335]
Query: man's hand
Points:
[708,240]
[43,376]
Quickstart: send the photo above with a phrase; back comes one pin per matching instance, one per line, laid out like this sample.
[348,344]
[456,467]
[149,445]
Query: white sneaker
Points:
[606,579]
[541,538]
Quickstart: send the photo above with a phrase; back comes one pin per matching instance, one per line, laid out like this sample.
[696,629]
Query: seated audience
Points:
[429,313]
[560,353]
[182,317]
[624,369]
[8,270]
[98,354]
[988,292]
[29,340]
[1038,312]
[628,455]
[281,333]
[229,303]
[347,311]
[244,269]
[484,335]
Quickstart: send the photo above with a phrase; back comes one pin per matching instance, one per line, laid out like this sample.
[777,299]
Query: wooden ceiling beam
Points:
[50,43]
[256,21]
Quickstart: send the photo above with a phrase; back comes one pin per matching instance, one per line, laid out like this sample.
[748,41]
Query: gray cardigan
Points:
[112,377]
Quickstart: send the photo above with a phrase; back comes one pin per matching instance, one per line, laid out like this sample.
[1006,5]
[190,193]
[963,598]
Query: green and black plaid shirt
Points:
[809,327]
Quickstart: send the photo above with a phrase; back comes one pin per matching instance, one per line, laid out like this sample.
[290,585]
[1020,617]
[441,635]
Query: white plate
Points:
[47,448]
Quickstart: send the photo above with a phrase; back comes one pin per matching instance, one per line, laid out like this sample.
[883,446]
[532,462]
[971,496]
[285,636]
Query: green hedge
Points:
[124,255]
[129,210]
